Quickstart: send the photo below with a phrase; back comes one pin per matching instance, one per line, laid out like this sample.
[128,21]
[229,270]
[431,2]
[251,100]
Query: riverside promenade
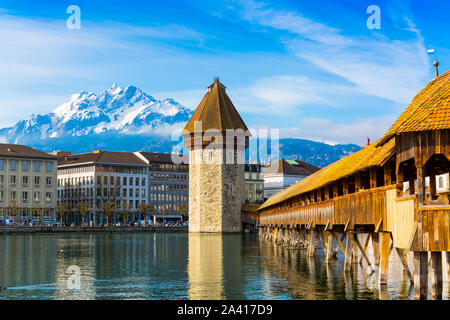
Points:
[79,229]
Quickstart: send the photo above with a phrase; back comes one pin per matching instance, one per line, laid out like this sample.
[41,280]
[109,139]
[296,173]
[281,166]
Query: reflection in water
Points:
[205,267]
[183,266]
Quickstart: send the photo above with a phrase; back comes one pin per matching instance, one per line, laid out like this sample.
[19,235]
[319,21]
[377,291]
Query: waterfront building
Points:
[216,164]
[254,183]
[102,177]
[27,183]
[283,173]
[168,185]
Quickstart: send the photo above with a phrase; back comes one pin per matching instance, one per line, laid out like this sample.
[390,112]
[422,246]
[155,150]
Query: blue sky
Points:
[311,68]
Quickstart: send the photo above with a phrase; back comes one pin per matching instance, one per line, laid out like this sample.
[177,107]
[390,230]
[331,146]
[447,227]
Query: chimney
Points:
[63,154]
[367,141]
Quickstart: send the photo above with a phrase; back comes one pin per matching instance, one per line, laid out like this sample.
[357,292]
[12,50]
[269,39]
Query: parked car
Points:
[2,222]
[9,222]
[186,223]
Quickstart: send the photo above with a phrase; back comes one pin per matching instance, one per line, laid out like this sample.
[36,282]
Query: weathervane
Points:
[435,62]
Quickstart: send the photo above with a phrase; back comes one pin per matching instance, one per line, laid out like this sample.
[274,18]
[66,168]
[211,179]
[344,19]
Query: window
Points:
[48,181]
[12,164]
[137,193]
[37,196]
[48,166]
[37,181]
[1,195]
[124,181]
[13,180]
[131,192]
[25,196]
[143,182]
[2,164]
[25,165]
[137,181]
[142,192]
[441,182]
[48,196]
[25,181]
[124,192]
[1,179]
[37,166]
[13,196]
[131,181]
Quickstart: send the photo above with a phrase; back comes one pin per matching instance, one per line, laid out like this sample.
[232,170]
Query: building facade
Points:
[27,183]
[254,183]
[168,186]
[102,177]
[284,173]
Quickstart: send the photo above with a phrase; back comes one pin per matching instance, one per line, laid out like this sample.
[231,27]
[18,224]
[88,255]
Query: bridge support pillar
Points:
[447,255]
[303,238]
[436,273]
[376,248]
[348,251]
[355,257]
[312,243]
[420,275]
[330,248]
[385,241]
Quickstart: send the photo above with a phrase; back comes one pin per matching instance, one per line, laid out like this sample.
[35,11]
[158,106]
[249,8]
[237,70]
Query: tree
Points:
[83,209]
[13,209]
[61,209]
[182,209]
[107,208]
[163,212]
[39,212]
[126,211]
[107,195]
[146,209]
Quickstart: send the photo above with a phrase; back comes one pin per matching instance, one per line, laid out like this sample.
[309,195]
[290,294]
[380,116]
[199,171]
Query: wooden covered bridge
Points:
[364,193]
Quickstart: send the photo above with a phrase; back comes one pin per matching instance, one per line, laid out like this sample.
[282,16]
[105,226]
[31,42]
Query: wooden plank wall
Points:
[400,215]
[435,228]
[422,145]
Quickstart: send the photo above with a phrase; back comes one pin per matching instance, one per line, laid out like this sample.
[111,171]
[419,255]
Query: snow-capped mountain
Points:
[123,110]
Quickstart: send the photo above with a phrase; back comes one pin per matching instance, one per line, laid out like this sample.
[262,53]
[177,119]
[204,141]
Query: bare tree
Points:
[126,211]
[146,209]
[182,209]
[61,209]
[107,195]
[13,209]
[83,209]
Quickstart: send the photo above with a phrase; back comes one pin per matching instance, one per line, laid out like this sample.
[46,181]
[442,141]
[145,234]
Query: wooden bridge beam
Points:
[376,248]
[349,251]
[436,275]
[312,243]
[420,274]
[385,240]
[330,247]
[447,254]
[402,257]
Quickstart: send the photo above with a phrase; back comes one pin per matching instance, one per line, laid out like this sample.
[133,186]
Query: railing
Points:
[365,207]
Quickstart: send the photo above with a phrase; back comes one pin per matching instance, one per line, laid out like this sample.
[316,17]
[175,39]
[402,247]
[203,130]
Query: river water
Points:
[180,266]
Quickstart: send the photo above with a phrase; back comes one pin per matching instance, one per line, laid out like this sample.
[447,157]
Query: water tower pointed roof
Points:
[216,112]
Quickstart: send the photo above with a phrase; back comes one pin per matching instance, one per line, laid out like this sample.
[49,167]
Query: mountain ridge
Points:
[128,119]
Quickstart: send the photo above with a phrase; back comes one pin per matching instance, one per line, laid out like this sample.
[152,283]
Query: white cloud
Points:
[331,132]
[390,69]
